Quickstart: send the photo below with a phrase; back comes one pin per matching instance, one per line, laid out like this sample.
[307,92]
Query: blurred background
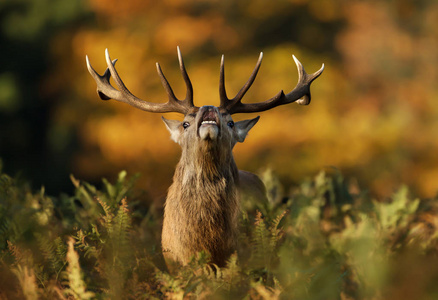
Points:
[374,111]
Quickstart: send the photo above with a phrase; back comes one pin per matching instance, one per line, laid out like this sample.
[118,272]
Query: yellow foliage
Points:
[77,287]
[27,280]
[191,32]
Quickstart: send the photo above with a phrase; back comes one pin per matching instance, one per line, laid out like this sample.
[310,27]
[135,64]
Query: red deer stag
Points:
[202,207]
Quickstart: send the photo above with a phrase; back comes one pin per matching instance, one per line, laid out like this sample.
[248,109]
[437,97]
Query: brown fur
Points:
[251,186]
[202,207]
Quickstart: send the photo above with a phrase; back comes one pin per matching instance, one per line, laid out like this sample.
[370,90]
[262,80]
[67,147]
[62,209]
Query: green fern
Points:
[275,232]
[54,251]
[232,271]
[83,245]
[262,250]
[170,286]
[330,245]
[398,212]
[118,191]
[119,233]
[109,215]
[117,248]
[265,241]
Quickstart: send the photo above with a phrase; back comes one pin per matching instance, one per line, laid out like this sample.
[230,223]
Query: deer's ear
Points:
[243,127]
[174,128]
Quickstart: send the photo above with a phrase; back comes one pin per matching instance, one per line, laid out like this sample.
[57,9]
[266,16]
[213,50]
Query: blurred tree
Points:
[29,141]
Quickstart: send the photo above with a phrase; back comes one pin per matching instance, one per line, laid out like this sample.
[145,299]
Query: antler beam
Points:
[300,94]
[106,91]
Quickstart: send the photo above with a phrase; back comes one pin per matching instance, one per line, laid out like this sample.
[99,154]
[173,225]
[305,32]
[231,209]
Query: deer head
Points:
[207,124]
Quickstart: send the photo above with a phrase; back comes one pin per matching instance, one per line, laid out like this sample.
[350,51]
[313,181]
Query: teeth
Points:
[208,122]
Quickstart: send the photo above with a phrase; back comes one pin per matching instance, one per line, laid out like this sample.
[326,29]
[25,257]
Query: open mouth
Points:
[208,123]
[209,118]
[208,126]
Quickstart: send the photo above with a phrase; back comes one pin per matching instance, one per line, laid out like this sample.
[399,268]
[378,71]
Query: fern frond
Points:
[119,252]
[231,273]
[117,192]
[77,287]
[106,208]
[121,229]
[265,240]
[172,287]
[60,248]
[27,280]
[266,292]
[49,250]
[15,252]
[261,243]
[90,251]
[21,257]
[275,232]
[108,217]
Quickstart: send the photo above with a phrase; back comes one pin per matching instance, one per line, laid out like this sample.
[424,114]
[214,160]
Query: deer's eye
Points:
[185,125]
[230,124]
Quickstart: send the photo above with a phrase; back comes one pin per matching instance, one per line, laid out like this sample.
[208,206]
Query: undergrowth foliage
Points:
[323,239]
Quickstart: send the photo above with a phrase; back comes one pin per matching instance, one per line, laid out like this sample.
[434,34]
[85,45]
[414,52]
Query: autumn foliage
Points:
[373,113]
[323,239]
[373,117]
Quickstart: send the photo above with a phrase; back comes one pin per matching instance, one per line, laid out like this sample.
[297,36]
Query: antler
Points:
[106,91]
[300,94]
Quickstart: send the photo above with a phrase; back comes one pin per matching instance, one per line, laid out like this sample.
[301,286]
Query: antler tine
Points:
[250,81]
[166,84]
[101,80]
[114,74]
[228,103]
[304,77]
[106,91]
[222,92]
[189,93]
[301,94]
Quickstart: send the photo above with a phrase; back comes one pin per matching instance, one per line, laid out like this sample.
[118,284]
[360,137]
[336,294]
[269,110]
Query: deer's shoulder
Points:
[251,186]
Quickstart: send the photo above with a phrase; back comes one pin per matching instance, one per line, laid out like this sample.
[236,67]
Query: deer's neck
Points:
[201,211]
[209,174]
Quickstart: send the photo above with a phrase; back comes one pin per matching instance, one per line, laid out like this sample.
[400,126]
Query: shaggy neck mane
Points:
[204,194]
[212,163]
[206,179]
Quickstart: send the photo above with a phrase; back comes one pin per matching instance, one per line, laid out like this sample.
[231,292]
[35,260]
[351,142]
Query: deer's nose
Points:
[208,108]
